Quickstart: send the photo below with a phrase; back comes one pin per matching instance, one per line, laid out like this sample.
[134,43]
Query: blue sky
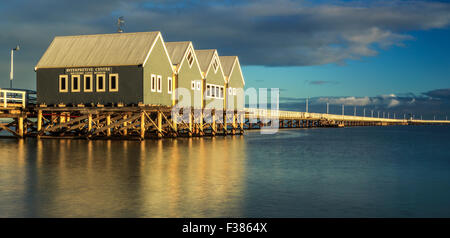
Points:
[385,55]
[423,64]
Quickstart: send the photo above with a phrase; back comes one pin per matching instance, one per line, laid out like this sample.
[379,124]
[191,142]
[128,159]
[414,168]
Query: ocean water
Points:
[395,171]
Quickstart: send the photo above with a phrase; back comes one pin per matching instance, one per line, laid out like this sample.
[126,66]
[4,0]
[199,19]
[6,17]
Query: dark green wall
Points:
[130,83]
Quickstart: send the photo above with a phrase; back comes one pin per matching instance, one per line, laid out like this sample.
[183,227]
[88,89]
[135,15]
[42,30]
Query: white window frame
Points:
[234,91]
[159,83]
[169,85]
[66,79]
[153,82]
[230,91]
[199,85]
[213,91]
[208,90]
[91,83]
[117,83]
[193,84]
[215,64]
[78,77]
[217,92]
[97,76]
[192,56]
[221,92]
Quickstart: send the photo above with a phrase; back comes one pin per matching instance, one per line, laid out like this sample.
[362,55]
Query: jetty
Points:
[22,119]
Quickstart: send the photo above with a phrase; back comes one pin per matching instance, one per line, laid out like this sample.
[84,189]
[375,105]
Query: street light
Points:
[11,75]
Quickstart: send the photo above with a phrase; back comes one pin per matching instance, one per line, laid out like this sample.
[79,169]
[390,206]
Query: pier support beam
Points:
[89,122]
[142,125]
[234,125]
[213,125]
[108,122]
[125,131]
[190,123]
[39,122]
[159,124]
[20,126]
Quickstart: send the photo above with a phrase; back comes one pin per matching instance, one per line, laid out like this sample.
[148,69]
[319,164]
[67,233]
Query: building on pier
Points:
[235,82]
[213,78]
[108,69]
[188,78]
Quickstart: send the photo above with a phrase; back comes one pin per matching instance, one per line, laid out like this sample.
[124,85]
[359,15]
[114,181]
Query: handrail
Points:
[265,113]
[10,96]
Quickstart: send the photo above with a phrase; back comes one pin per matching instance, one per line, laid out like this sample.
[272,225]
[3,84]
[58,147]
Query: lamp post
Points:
[11,75]
[328,107]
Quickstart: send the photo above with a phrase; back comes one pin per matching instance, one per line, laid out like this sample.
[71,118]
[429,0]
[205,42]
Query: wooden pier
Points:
[149,121]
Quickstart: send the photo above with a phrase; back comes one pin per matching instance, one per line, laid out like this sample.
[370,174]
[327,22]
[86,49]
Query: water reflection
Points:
[194,177]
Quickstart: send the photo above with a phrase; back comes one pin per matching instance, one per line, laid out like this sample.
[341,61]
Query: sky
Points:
[391,56]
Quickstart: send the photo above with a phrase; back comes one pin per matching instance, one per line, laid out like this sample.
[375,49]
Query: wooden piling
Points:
[159,124]
[108,122]
[142,125]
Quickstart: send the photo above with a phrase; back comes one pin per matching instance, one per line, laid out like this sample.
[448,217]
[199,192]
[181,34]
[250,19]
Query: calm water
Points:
[350,172]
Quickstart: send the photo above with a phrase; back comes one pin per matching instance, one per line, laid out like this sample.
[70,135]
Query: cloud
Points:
[428,104]
[265,32]
[439,93]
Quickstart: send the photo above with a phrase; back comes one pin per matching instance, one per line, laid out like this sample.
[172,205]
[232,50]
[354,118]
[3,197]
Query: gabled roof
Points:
[99,50]
[177,50]
[204,58]
[227,64]
[230,63]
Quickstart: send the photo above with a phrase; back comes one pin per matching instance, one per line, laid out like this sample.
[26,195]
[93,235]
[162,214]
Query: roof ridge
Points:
[105,34]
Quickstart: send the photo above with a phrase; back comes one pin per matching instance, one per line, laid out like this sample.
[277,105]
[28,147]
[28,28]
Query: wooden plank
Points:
[118,123]
[54,128]
[9,130]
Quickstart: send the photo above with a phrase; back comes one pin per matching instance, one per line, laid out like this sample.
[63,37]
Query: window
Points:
[221,92]
[75,83]
[88,82]
[230,91]
[217,91]
[169,83]
[193,85]
[159,85]
[63,83]
[190,58]
[199,85]
[101,83]
[114,82]
[215,64]
[213,91]
[208,90]
[234,91]
[153,82]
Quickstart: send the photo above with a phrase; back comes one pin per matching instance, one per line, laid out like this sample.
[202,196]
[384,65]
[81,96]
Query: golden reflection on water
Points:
[195,177]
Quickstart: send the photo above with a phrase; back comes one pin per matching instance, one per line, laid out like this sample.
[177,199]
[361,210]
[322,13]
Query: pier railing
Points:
[292,115]
[12,98]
